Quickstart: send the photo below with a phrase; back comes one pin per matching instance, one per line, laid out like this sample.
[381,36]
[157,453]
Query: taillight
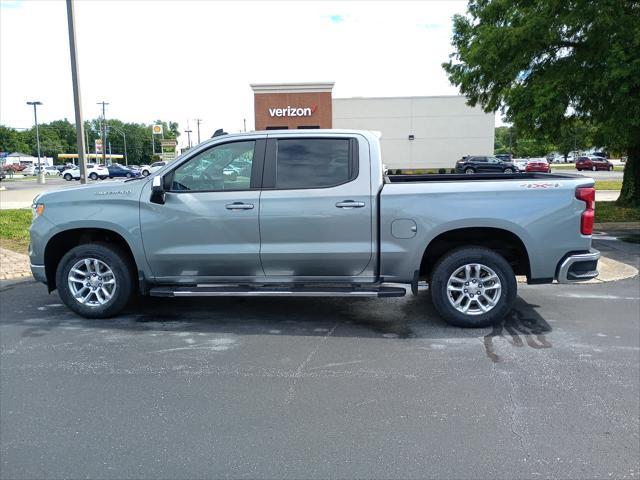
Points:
[587,195]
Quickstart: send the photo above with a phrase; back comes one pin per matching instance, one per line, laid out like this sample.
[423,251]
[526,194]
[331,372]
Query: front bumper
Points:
[578,267]
[39,273]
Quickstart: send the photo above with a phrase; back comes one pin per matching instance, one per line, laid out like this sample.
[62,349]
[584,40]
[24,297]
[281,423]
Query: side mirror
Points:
[157,190]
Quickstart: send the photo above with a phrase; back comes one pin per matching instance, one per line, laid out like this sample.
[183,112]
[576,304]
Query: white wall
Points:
[445,128]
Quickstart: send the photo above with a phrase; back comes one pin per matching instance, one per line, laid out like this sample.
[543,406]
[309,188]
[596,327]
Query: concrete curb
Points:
[617,226]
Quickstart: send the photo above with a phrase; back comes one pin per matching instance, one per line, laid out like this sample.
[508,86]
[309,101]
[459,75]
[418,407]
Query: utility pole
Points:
[188,132]
[75,77]
[124,138]
[35,104]
[198,120]
[244,121]
[103,133]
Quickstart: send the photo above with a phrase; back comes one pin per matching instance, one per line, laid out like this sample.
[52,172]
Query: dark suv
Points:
[484,164]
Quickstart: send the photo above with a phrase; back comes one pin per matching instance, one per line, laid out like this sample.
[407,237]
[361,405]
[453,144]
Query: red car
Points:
[538,165]
[593,163]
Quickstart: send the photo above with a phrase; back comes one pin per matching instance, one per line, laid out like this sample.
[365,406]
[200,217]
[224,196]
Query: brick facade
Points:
[292,106]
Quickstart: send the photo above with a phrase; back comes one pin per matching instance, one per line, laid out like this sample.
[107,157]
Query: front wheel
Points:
[508,170]
[593,169]
[469,171]
[473,287]
[128,175]
[93,176]
[95,280]
[67,177]
[610,169]
[145,173]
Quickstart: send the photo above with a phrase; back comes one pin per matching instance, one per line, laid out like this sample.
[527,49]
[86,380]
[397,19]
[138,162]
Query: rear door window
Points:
[314,162]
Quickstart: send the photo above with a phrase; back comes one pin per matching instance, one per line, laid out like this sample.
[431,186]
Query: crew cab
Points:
[311,214]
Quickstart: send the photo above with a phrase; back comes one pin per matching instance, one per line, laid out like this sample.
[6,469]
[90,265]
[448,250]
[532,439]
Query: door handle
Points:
[239,206]
[350,204]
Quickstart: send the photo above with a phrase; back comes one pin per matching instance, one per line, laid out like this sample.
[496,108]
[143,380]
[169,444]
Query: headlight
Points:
[38,208]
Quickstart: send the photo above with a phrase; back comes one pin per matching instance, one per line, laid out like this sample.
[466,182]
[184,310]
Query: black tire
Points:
[458,258]
[508,170]
[93,176]
[469,170]
[594,168]
[610,169]
[145,173]
[68,177]
[112,256]
[128,175]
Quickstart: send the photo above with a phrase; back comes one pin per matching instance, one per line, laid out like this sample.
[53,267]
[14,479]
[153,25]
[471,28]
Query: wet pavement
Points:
[324,388]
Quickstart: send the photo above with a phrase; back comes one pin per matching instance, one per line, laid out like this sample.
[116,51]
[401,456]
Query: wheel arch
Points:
[60,243]
[502,241]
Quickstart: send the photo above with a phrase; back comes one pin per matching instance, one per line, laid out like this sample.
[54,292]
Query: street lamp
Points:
[35,104]
[124,137]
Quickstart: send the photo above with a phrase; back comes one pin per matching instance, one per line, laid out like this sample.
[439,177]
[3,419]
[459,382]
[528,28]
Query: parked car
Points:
[538,165]
[154,167]
[34,170]
[117,170]
[593,163]
[484,164]
[29,171]
[316,217]
[94,172]
[2,175]
[520,163]
[49,170]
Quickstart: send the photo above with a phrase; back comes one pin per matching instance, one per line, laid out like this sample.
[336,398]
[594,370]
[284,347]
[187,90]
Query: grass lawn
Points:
[610,212]
[19,178]
[608,184]
[14,229]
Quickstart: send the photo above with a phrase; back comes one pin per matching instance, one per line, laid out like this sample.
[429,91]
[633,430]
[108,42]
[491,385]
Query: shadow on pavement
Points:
[401,318]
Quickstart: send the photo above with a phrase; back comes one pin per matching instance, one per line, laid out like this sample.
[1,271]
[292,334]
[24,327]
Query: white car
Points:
[520,163]
[146,170]
[93,172]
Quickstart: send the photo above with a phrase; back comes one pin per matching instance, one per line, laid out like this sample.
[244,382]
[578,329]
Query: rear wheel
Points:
[508,170]
[473,287]
[93,176]
[145,173]
[95,280]
[67,177]
[594,168]
[128,175]
[469,171]
[610,169]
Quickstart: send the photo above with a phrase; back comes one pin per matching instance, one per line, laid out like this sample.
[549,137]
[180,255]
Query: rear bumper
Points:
[578,267]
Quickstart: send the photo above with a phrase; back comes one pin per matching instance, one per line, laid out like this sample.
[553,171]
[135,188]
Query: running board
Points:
[275,291]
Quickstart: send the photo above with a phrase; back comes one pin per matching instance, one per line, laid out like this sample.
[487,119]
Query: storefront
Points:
[416,132]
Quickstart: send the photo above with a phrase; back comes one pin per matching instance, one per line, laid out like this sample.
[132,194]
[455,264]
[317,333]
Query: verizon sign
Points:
[293,111]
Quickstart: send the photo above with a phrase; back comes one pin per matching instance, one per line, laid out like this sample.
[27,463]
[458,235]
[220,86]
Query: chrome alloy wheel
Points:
[474,289]
[92,282]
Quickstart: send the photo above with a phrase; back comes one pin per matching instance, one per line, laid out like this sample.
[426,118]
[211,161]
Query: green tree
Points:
[546,64]
[12,140]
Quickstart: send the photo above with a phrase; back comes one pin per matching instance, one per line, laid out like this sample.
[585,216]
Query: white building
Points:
[17,158]
[419,132]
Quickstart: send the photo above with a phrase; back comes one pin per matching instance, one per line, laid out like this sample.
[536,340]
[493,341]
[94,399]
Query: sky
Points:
[182,60]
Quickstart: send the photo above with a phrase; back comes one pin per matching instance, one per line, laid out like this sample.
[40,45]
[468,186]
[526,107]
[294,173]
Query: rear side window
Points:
[314,162]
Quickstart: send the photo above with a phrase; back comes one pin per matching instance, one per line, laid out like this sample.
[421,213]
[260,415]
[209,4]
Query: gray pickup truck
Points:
[311,213]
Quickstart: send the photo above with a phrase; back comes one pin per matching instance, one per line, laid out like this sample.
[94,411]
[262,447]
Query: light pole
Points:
[35,104]
[124,137]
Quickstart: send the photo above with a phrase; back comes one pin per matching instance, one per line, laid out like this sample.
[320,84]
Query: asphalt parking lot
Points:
[324,388]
